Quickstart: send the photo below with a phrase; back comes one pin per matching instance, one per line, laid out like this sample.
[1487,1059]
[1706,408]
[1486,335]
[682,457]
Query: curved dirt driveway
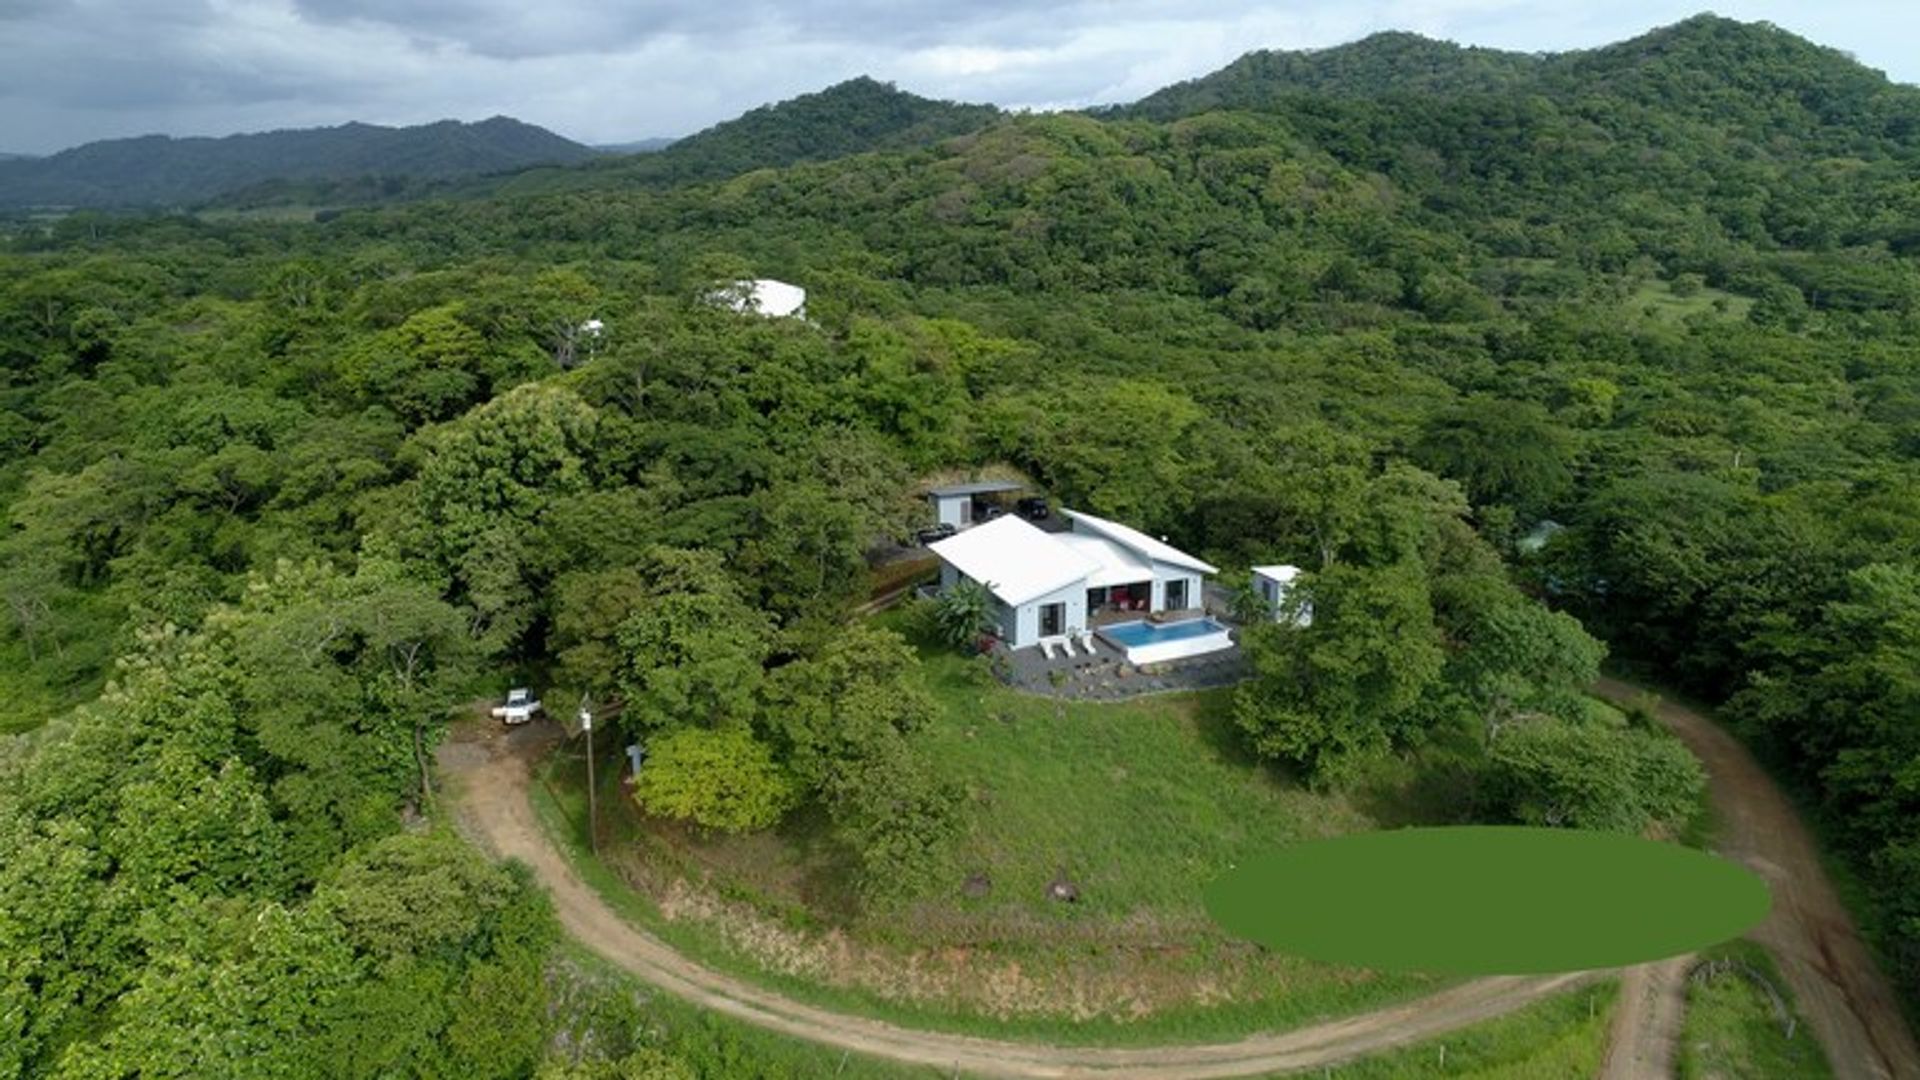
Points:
[489,782]
[1837,987]
[1847,1003]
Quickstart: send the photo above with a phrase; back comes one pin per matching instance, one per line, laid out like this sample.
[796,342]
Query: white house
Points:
[961,505]
[1273,583]
[1048,585]
[765,296]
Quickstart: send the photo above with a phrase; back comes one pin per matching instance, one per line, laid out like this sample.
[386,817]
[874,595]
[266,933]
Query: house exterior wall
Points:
[1165,572]
[1026,621]
[947,510]
[1020,627]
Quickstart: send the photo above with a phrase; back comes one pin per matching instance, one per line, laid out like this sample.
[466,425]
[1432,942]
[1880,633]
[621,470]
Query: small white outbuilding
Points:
[1273,583]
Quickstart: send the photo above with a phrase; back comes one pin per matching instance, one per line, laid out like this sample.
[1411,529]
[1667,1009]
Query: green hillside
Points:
[854,117]
[159,171]
[281,499]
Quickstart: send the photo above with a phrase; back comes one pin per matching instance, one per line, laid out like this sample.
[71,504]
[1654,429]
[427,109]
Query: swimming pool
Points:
[1152,643]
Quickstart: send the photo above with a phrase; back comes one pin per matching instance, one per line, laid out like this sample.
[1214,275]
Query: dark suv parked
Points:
[934,533]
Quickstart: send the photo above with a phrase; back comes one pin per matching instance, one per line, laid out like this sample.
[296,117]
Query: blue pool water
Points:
[1135,634]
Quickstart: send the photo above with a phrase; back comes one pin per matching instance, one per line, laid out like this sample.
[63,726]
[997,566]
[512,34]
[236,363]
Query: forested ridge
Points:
[281,498]
[157,171]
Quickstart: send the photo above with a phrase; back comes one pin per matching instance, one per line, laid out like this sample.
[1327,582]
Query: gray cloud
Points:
[513,29]
[77,70]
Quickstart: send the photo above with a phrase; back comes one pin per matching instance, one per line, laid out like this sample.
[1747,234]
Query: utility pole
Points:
[593,796]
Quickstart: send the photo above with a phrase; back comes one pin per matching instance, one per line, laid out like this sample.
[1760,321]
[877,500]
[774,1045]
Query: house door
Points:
[1053,620]
[1177,595]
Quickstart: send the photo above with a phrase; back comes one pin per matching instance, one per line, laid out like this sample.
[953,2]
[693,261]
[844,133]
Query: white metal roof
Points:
[1279,572]
[1015,560]
[1142,544]
[1117,565]
[768,297]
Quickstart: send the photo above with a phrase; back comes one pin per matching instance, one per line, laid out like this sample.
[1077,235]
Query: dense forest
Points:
[1632,331]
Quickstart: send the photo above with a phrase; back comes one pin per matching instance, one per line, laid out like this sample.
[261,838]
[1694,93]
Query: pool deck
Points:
[1107,675]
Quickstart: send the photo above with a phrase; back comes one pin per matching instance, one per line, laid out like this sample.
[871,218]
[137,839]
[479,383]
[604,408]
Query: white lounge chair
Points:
[1046,647]
[1086,641]
[1066,644]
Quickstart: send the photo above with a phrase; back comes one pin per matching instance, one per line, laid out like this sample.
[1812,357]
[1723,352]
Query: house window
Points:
[966,511]
[1053,620]
[1177,594]
[1096,598]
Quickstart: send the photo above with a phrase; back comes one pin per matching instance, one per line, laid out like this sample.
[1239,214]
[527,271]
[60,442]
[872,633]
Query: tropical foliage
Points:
[278,496]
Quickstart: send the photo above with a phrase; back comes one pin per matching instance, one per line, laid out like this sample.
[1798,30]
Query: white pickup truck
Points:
[520,707]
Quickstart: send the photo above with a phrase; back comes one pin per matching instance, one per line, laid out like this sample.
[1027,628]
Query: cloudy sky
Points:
[606,71]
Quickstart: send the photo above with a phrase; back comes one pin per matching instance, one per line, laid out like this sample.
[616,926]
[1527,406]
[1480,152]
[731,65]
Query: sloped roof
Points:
[1280,572]
[1117,565]
[977,487]
[1014,560]
[1142,544]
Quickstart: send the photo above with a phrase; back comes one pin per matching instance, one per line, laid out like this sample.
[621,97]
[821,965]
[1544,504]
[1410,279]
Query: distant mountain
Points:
[1753,78]
[854,117]
[16,157]
[1754,75]
[1382,64]
[640,146]
[159,171]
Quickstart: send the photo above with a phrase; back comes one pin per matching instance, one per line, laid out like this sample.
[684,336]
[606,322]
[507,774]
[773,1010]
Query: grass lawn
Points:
[1139,804]
[1562,1036]
[1733,1029]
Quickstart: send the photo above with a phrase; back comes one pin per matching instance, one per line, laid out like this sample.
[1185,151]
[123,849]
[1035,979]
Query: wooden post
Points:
[593,795]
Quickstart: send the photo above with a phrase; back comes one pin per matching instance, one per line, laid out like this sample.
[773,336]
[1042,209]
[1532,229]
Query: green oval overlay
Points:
[1490,900]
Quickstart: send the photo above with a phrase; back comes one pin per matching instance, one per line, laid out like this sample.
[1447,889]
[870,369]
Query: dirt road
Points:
[1846,1001]
[489,780]
[1645,1034]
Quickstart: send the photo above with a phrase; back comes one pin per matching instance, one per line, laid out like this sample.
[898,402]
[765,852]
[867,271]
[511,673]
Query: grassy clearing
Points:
[1733,1029]
[1140,805]
[1562,1036]
[1659,302]
[1282,992]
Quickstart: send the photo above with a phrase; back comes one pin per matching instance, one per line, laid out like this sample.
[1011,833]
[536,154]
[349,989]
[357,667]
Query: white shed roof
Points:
[1279,572]
[1142,544]
[1015,560]
[766,296]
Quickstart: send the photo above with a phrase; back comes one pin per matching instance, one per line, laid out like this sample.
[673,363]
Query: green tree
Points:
[725,780]
[1503,452]
[1594,775]
[1326,696]
[694,651]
